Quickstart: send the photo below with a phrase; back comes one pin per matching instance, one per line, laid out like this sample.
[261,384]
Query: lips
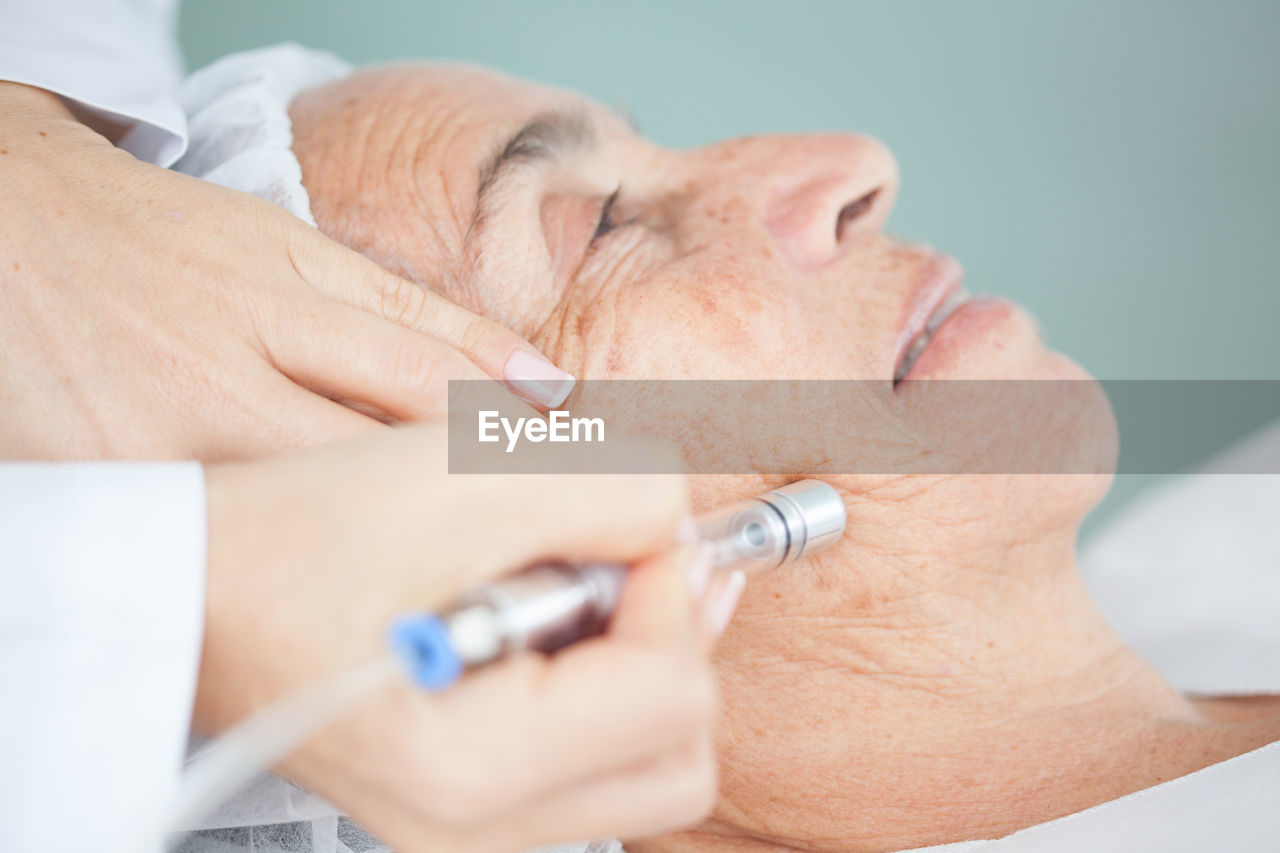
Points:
[937,297]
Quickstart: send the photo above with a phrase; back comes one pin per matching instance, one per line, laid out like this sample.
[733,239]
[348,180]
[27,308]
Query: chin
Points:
[1078,439]
[1031,417]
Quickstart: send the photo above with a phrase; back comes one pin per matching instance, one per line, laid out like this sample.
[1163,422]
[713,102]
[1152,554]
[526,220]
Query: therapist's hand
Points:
[147,313]
[312,556]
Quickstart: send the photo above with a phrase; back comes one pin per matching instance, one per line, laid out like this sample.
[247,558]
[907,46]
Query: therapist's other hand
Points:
[147,313]
[312,556]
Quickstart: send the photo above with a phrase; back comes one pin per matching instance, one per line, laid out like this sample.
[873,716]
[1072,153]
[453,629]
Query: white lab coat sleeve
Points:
[116,58]
[102,571]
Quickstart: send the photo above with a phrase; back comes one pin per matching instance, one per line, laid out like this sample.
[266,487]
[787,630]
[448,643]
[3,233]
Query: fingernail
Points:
[687,531]
[698,572]
[536,379]
[720,610]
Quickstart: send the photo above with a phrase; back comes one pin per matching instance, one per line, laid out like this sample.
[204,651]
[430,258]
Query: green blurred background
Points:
[1111,165]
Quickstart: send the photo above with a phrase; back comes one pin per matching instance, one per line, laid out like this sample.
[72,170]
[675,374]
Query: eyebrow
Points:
[544,138]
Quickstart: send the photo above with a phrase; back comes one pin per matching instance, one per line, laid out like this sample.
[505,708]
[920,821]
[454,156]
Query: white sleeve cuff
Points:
[118,60]
[102,612]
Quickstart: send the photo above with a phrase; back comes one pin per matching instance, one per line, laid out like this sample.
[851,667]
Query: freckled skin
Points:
[939,675]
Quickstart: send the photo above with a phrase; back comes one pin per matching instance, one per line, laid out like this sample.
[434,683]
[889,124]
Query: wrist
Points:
[35,121]
[226,548]
[18,100]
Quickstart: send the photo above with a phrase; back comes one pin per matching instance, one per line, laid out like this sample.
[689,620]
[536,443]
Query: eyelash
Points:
[606,223]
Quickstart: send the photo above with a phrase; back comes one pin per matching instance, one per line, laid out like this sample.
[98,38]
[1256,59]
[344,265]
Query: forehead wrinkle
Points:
[386,132]
[433,190]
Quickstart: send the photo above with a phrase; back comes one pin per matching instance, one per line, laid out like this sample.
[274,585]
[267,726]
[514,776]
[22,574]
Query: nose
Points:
[815,193]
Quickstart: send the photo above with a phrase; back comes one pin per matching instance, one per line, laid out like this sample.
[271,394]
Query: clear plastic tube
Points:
[264,738]
[750,536]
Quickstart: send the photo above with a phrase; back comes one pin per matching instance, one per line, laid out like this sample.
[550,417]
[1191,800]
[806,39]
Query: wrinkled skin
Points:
[939,675]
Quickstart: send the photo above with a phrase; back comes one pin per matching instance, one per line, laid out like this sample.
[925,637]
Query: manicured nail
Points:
[698,572]
[536,379]
[687,531]
[720,610]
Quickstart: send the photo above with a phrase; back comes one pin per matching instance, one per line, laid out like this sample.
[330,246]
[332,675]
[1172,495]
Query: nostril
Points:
[853,211]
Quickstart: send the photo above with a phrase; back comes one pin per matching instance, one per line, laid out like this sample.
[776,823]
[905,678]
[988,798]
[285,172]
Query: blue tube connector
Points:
[421,642]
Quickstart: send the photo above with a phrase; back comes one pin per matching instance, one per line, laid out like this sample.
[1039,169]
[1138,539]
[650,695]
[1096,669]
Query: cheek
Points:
[699,328]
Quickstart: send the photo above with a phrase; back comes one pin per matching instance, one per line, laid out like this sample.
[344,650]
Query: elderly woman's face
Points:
[761,257]
[757,258]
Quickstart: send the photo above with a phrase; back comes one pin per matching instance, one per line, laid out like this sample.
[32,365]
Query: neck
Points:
[970,705]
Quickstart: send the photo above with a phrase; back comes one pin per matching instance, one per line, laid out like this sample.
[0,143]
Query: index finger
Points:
[616,518]
[501,353]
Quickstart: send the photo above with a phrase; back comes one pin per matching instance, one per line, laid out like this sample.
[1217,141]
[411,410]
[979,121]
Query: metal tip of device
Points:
[823,513]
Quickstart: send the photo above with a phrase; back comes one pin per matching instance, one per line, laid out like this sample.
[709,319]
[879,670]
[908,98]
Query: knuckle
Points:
[666,494]
[401,301]
[702,700]
[704,784]
[694,790]
[474,334]
[674,489]
[656,500]
[416,368]
[272,226]
[691,697]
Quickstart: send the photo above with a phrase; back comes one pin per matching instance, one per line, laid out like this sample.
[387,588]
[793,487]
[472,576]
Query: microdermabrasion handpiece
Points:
[779,527]
[547,607]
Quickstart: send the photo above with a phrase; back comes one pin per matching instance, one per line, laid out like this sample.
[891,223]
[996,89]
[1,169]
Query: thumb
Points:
[577,518]
[658,602]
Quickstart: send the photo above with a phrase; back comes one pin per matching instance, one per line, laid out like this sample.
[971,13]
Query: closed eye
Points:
[606,223]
